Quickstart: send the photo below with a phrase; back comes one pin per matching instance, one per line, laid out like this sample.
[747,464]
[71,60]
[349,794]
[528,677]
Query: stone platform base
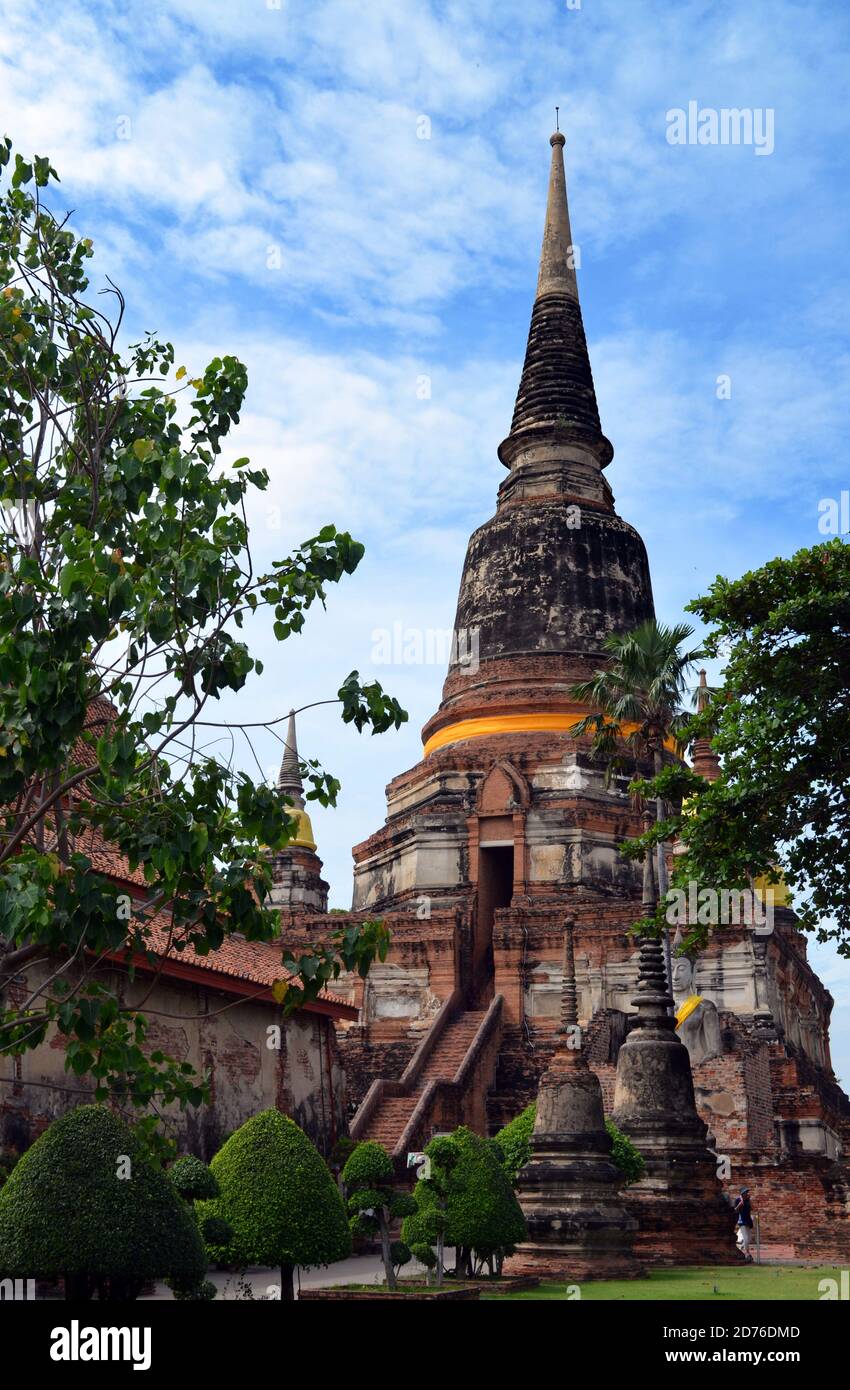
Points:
[682,1229]
[565,1265]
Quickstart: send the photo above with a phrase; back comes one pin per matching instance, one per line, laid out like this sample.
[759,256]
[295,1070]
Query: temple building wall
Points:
[235,1040]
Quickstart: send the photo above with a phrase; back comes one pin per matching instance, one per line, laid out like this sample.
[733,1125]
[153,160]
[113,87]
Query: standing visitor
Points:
[744,1223]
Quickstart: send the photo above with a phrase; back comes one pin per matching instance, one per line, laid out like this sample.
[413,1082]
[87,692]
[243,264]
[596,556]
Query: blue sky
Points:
[255,178]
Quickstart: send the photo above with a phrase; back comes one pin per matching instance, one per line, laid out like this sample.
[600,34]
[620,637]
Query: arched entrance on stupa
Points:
[497,863]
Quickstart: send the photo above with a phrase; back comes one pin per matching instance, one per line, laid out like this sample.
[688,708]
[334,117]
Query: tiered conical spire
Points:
[555,571]
[556,392]
[289,778]
[290,784]
[569,994]
[654,1105]
[298,884]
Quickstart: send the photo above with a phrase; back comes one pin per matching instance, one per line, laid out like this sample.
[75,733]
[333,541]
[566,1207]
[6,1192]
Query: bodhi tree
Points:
[374,1203]
[126,586]
[781,727]
[278,1199]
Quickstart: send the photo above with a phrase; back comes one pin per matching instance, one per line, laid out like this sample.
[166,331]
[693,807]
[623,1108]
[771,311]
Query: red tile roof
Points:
[243,967]
[256,963]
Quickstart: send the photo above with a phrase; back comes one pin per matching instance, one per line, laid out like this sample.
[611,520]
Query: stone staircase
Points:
[435,1090]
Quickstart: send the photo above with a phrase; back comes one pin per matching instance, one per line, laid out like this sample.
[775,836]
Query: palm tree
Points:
[640,694]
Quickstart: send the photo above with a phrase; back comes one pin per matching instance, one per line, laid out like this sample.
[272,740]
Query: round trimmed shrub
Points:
[216,1232]
[66,1213]
[278,1197]
[193,1179]
[400,1254]
[425,1255]
[204,1292]
[367,1166]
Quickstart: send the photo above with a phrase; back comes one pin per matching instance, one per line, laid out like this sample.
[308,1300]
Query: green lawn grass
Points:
[707,1283]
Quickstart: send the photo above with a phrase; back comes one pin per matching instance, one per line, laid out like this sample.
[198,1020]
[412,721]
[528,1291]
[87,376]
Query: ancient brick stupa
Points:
[297,870]
[679,1203]
[578,1227]
[507,826]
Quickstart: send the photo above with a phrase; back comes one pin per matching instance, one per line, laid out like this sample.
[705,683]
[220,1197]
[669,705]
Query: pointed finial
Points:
[557,270]
[649,897]
[289,780]
[702,693]
[557,126]
[569,999]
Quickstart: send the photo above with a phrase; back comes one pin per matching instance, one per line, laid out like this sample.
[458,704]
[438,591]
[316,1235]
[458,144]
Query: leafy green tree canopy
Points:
[781,725]
[480,1212]
[193,1179]
[126,585]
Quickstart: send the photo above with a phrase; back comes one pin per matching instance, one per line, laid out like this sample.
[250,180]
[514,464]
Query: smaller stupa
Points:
[569,1191]
[299,888]
[682,1214]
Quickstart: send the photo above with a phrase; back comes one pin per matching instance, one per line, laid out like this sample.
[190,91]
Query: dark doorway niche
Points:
[495,890]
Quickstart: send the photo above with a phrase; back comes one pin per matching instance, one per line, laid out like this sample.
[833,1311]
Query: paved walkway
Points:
[265,1283]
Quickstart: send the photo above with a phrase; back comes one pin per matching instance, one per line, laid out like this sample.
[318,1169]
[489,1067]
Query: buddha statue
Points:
[697,1019]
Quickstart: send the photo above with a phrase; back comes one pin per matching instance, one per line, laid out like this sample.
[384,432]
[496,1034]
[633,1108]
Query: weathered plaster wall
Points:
[235,1041]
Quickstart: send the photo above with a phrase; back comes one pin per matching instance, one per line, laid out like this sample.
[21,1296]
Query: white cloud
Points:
[294,130]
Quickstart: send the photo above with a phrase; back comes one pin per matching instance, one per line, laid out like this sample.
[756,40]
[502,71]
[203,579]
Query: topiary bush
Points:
[514,1141]
[469,1196]
[216,1232]
[374,1203]
[194,1182]
[400,1255]
[85,1204]
[204,1292]
[277,1195]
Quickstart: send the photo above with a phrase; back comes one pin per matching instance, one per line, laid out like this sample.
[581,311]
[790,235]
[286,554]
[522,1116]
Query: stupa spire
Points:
[298,886]
[557,269]
[289,778]
[556,402]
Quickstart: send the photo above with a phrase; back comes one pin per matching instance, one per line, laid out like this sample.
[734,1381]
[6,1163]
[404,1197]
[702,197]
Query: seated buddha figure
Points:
[697,1019]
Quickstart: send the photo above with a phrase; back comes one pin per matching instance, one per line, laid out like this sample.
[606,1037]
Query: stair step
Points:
[387,1126]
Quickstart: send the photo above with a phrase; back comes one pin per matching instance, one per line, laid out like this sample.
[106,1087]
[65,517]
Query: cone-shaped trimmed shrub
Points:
[279,1199]
[74,1208]
[480,1212]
